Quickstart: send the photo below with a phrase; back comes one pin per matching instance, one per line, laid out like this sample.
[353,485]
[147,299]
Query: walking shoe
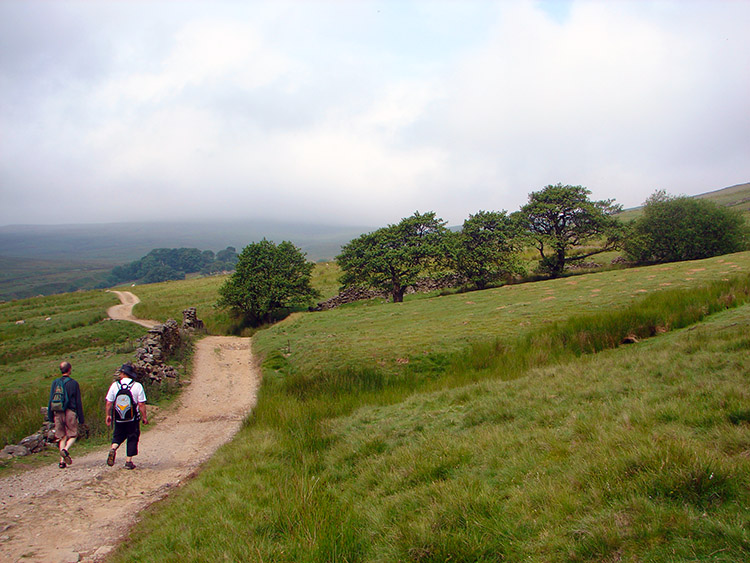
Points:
[129,465]
[111,457]
[66,457]
[62,465]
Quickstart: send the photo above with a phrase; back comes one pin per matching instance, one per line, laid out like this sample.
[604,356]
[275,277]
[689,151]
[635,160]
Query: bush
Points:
[673,229]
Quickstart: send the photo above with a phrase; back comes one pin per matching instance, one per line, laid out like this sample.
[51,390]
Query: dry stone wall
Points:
[423,285]
[150,364]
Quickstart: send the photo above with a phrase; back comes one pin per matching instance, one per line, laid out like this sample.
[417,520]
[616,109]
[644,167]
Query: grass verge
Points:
[636,453]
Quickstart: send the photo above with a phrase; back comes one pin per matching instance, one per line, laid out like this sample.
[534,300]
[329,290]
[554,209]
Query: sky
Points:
[363,112]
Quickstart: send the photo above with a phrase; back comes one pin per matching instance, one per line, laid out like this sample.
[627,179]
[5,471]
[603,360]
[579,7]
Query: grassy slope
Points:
[31,353]
[22,277]
[635,454]
[165,300]
[421,330]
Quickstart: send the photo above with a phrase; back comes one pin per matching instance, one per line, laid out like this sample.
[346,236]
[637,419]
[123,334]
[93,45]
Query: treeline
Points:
[165,264]
[561,222]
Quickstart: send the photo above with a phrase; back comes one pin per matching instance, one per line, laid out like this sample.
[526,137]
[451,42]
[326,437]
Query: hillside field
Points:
[465,427]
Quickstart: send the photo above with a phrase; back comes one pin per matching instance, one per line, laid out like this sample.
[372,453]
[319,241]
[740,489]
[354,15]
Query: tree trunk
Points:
[398,294]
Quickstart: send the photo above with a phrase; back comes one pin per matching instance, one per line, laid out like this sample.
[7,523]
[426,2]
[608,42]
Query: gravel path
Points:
[80,513]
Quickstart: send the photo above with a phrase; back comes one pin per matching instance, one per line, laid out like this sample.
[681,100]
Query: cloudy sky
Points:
[362,112]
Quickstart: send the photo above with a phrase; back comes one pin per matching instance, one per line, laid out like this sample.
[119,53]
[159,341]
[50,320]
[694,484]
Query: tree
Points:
[268,278]
[682,228]
[560,218]
[486,249]
[392,258]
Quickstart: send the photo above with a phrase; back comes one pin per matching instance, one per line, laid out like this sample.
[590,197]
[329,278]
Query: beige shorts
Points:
[66,424]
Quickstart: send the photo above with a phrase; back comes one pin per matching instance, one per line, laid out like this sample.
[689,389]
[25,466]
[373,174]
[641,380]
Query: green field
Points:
[72,327]
[503,425]
[414,432]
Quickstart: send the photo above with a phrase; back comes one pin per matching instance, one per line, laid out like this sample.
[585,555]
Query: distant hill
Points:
[47,259]
[117,243]
[736,197]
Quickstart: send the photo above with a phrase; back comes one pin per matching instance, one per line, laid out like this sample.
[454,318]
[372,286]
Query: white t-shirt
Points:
[139,395]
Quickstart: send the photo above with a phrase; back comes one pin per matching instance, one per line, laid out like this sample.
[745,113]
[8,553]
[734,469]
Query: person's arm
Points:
[50,414]
[79,404]
[142,410]
[108,412]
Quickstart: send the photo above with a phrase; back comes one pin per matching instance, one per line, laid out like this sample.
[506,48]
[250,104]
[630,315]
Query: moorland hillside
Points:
[505,424]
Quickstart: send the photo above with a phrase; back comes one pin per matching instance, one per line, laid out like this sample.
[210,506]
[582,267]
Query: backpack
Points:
[125,408]
[59,398]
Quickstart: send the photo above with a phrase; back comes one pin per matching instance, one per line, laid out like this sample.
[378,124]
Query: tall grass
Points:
[543,448]
[56,328]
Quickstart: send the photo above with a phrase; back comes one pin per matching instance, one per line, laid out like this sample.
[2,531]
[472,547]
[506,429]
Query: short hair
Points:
[65,367]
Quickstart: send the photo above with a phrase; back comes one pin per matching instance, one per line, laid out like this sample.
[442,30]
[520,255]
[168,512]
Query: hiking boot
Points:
[129,465]
[66,457]
[111,457]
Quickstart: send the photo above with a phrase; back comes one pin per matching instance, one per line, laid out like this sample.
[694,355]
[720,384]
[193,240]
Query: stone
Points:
[15,450]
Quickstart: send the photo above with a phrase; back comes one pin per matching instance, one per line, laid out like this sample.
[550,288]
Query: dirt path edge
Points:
[80,513]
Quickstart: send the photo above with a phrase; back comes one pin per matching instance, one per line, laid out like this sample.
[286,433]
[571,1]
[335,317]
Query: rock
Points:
[103,551]
[15,450]
[34,443]
[190,320]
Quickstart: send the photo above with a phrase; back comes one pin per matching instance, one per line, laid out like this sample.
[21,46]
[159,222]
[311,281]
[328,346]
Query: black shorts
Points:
[129,431]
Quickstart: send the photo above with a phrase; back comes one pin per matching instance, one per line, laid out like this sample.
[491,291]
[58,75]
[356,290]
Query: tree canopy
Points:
[560,218]
[163,264]
[672,229]
[267,278]
[392,258]
[486,249]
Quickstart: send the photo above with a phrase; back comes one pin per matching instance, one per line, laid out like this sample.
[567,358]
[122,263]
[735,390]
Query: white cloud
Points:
[368,111]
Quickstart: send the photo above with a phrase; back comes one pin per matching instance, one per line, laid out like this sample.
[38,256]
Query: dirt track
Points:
[97,504]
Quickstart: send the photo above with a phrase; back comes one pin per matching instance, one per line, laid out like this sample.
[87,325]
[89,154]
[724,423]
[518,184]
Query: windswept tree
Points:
[561,218]
[683,228]
[486,250]
[267,278]
[392,258]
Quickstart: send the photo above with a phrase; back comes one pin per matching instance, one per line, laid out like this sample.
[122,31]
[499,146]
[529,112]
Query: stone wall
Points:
[150,364]
[423,285]
[153,351]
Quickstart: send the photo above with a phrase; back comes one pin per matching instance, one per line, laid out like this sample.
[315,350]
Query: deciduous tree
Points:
[267,278]
[486,249]
[560,218]
[683,228]
[392,258]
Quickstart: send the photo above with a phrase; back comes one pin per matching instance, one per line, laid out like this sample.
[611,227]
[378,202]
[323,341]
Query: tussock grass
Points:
[556,444]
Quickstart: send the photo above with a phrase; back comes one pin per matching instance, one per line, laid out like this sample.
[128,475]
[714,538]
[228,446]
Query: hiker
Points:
[65,409]
[126,408]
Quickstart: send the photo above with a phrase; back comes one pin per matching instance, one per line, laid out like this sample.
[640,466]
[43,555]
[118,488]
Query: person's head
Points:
[65,368]
[126,370]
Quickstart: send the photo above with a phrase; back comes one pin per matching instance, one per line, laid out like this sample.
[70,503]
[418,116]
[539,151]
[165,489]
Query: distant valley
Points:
[47,259]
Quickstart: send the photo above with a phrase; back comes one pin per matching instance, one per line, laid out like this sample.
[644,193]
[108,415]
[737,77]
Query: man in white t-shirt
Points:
[125,414]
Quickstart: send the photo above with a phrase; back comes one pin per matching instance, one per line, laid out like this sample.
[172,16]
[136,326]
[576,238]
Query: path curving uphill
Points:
[80,513]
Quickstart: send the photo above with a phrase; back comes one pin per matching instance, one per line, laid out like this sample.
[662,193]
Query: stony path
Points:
[79,513]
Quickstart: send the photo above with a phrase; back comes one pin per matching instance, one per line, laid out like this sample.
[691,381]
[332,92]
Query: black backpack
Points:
[59,398]
[125,408]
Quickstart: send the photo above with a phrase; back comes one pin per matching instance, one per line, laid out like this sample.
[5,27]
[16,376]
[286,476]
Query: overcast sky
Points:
[361,113]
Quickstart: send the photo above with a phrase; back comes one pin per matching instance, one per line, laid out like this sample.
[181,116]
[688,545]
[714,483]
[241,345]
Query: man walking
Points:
[125,408]
[65,409]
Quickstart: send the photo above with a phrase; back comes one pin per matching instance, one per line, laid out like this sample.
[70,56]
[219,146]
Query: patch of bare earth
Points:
[80,513]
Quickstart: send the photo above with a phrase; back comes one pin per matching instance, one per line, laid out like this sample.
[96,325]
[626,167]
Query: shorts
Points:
[129,431]
[66,424]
